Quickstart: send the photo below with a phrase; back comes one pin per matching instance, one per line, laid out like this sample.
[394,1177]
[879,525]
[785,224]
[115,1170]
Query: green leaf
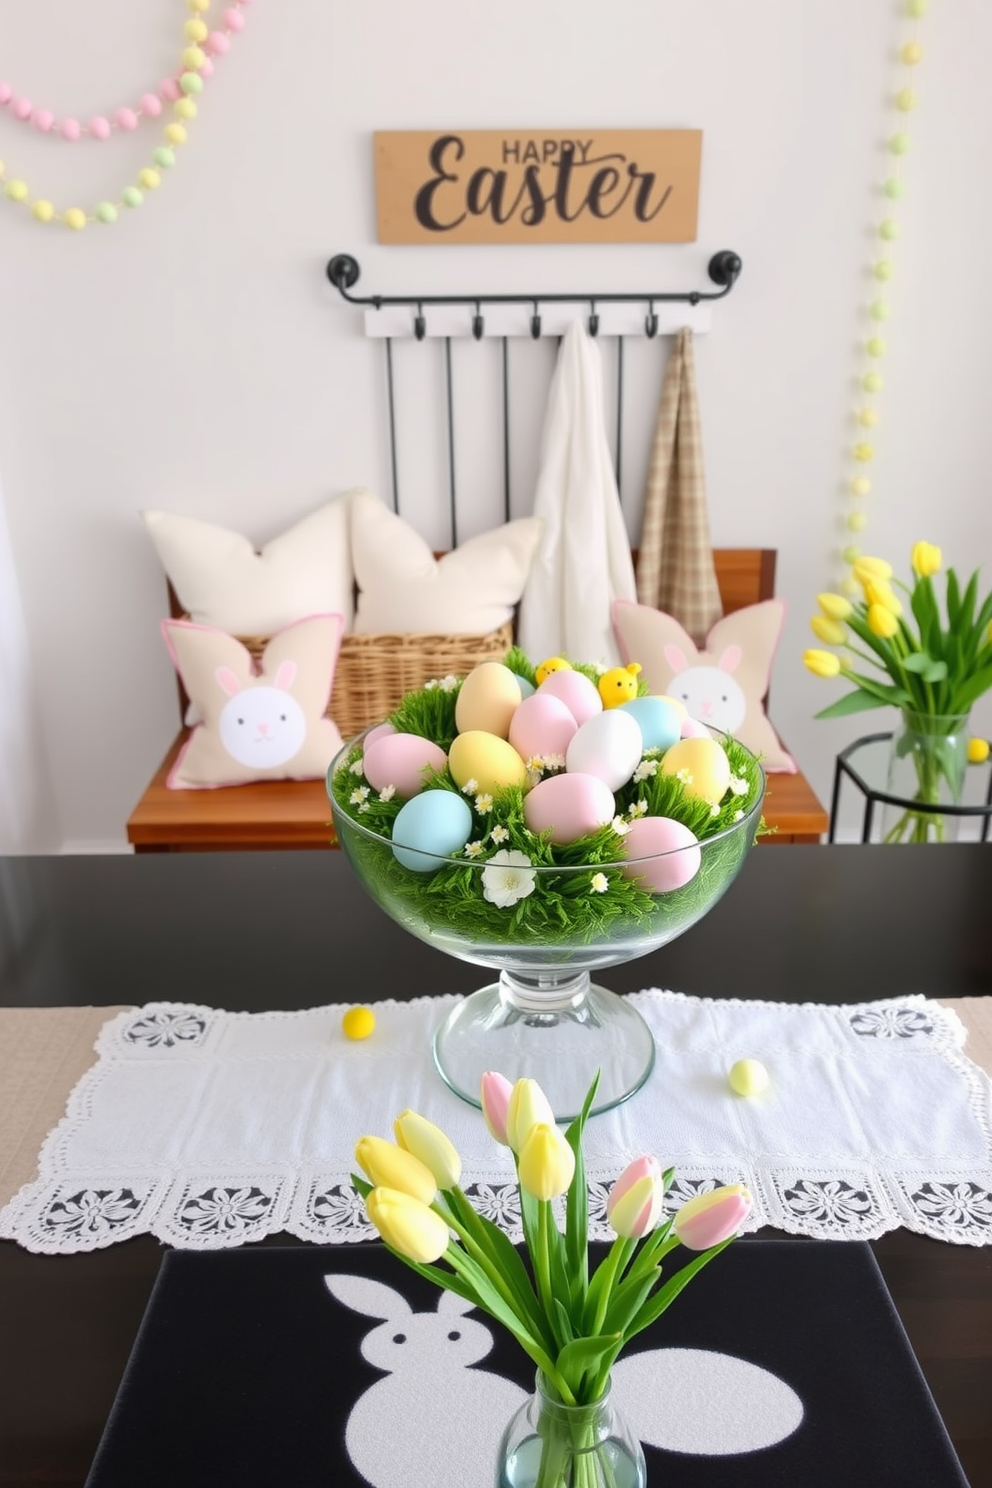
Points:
[628,1299]
[577,1208]
[973,688]
[919,661]
[584,1353]
[853,702]
[662,1300]
[935,672]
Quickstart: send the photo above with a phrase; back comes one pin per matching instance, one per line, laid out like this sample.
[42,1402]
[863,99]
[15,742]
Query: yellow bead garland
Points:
[184,109]
[866,416]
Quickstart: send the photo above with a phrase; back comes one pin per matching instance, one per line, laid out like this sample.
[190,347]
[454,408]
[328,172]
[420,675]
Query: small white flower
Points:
[554,762]
[600,883]
[387,793]
[499,834]
[507,877]
[470,787]
[358,795]
[646,769]
[364,807]
[484,802]
[357,767]
[532,778]
[639,808]
[684,776]
[738,787]
[714,810]
[535,764]
[620,826]
[448,684]
[652,751]
[473,849]
[430,686]
[738,816]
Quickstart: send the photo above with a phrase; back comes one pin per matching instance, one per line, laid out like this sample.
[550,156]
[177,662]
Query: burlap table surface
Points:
[45,1051]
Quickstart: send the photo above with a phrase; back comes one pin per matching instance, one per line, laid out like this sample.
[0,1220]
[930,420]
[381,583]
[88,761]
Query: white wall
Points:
[193,357]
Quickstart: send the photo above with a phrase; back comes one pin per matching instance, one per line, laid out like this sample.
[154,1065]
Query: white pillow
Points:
[402,587]
[222,581]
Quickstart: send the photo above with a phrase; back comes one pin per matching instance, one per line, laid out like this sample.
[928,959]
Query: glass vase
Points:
[927,763]
[551,1445]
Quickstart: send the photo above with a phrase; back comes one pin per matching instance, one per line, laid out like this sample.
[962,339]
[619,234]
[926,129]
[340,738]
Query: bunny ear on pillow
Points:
[264,722]
[741,646]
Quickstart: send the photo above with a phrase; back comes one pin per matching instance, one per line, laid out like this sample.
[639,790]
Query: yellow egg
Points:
[553,664]
[748,1077]
[358,1023]
[487,759]
[489,697]
[701,765]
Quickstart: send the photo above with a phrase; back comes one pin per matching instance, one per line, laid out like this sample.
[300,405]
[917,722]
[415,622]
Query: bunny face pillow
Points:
[722,685]
[268,724]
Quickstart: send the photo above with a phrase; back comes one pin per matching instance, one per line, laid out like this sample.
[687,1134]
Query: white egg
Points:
[608,745]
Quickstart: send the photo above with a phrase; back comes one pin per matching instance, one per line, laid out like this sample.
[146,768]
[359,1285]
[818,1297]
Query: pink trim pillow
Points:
[725,683]
[264,723]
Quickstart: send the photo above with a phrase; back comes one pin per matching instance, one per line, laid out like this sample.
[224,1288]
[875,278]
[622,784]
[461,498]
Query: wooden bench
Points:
[296,813]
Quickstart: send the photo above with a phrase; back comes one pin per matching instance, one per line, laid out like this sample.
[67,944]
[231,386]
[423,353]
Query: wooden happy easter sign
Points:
[538,186]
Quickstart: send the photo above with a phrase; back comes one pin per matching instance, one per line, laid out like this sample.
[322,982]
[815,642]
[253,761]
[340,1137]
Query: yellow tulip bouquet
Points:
[571,1323]
[930,664]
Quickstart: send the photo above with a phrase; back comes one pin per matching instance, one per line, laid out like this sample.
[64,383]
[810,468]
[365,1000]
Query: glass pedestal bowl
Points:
[544,929]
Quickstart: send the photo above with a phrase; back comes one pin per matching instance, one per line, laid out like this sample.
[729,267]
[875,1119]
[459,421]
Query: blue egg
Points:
[526,688]
[660,723]
[436,821]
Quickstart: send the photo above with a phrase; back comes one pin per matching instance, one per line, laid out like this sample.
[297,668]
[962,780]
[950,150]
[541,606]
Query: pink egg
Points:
[692,729]
[580,696]
[569,806]
[401,760]
[667,854]
[378,732]
[541,725]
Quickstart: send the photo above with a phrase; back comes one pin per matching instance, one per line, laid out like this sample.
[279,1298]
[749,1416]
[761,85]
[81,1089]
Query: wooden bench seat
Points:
[296,814]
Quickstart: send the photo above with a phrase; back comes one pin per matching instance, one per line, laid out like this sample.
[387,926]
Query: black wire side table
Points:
[865,764]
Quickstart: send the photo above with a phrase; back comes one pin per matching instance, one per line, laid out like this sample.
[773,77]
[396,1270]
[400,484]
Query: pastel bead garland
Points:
[181,91]
[867,417]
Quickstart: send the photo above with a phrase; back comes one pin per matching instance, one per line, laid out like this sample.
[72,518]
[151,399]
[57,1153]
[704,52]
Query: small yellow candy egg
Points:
[860,485]
[17,191]
[194,58]
[358,1023]
[74,218]
[868,417]
[489,697]
[175,134]
[195,31]
[748,1077]
[149,179]
[702,766]
[553,664]
[978,751]
[857,521]
[184,108]
[42,211]
[911,53]
[487,759]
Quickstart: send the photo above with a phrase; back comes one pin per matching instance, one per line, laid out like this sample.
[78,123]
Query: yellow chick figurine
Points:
[553,664]
[619,685]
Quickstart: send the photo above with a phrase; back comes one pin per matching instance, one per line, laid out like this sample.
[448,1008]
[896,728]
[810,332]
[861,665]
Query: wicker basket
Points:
[374,672]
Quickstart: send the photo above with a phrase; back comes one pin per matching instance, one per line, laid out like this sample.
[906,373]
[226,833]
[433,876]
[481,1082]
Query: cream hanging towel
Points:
[675,570]
[584,562]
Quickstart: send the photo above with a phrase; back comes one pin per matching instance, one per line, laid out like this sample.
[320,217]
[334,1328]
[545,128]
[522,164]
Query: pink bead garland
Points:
[124,118]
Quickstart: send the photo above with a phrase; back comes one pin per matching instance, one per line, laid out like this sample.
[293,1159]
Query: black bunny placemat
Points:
[783,1363]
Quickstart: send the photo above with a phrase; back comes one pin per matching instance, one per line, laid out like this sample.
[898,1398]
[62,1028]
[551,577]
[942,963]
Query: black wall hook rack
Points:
[724,270]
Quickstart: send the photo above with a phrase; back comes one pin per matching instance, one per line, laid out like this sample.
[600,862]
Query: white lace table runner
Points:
[210,1129]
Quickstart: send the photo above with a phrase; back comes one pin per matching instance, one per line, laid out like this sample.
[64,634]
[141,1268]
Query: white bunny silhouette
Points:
[261,724]
[710,693]
[432,1414]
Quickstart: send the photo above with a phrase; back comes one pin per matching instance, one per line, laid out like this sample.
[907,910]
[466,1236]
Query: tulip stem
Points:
[542,1263]
[614,1262]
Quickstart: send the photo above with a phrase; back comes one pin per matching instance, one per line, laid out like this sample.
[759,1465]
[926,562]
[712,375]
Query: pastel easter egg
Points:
[748,1077]
[575,690]
[569,806]
[434,825]
[676,703]
[661,854]
[378,732]
[658,720]
[703,767]
[527,689]
[542,725]
[489,697]
[608,745]
[693,729]
[402,760]
[487,759]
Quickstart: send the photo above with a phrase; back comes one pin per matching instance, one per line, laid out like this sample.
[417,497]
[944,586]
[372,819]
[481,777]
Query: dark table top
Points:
[255,931]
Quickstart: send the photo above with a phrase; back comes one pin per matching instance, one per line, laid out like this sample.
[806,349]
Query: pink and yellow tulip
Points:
[495,1094]
[636,1199]
[712,1217]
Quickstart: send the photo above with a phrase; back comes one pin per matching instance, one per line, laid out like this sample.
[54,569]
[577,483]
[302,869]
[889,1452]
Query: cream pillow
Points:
[402,587]
[725,683]
[221,580]
[267,723]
